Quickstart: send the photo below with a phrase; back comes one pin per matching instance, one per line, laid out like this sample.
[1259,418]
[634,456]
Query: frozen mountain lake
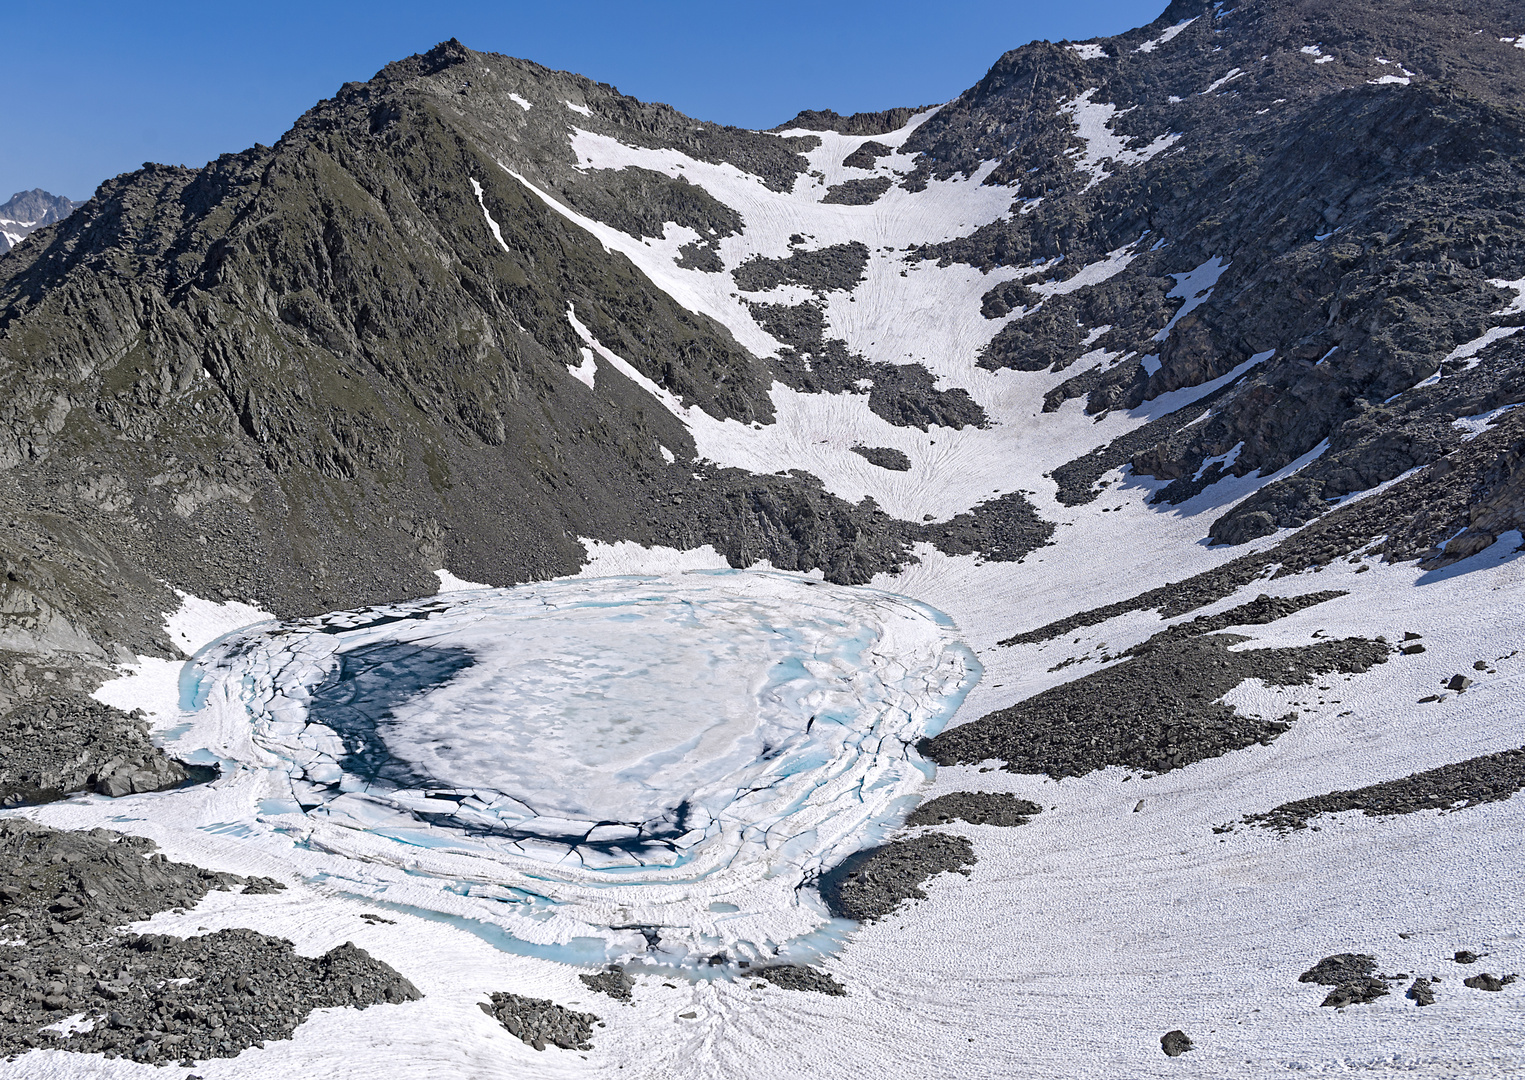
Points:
[580,762]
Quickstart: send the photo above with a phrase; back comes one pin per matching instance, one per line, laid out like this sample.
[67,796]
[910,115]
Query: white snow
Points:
[77,1024]
[1517,305]
[491,223]
[1478,423]
[1093,123]
[1469,349]
[1233,73]
[151,683]
[582,110]
[628,557]
[1194,286]
[449,583]
[1089,51]
[1225,460]
[1402,79]
[519,101]
[1169,34]
[1095,273]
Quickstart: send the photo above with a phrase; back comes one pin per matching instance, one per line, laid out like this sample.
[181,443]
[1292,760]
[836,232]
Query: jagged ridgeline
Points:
[314,373]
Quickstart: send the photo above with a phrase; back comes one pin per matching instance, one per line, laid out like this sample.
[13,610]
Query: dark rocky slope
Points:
[1361,215]
[152,998]
[308,375]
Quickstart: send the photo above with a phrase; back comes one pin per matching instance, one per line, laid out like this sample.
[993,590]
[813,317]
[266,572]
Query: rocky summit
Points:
[1175,374]
[28,211]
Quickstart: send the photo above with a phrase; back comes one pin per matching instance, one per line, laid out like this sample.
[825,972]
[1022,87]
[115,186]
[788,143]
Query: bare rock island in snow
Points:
[514,577]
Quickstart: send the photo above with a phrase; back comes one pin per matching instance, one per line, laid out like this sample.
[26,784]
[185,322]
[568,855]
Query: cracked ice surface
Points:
[575,759]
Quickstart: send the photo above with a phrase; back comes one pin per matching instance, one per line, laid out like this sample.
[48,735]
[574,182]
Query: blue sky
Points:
[94,89]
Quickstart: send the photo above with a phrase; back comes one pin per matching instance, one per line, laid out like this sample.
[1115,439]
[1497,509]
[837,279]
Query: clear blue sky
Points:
[92,89]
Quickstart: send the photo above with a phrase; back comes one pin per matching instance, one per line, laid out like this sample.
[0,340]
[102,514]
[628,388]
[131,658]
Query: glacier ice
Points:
[575,759]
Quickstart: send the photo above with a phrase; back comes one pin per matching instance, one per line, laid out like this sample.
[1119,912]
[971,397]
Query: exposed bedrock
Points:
[1125,311]
[903,394]
[1158,710]
[885,457]
[1359,225]
[861,123]
[873,883]
[642,202]
[1483,779]
[69,743]
[867,156]
[822,270]
[1429,516]
[860,192]
[975,807]
[152,998]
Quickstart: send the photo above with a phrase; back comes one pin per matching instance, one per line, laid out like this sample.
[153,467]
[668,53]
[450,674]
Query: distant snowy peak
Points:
[28,211]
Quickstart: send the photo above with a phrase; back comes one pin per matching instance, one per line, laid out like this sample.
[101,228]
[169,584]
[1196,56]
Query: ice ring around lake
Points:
[618,768]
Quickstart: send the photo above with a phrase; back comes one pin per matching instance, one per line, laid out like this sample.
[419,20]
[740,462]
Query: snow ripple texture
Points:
[582,762]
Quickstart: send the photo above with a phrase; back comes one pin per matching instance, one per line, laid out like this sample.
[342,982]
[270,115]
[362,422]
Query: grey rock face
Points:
[863,123]
[867,156]
[73,744]
[1158,711]
[613,981]
[1352,239]
[1422,992]
[822,270]
[27,211]
[800,977]
[904,394]
[1175,1043]
[860,192]
[885,457]
[1351,975]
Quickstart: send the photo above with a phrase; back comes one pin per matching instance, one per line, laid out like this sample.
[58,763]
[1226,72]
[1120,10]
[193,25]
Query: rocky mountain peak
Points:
[27,211]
